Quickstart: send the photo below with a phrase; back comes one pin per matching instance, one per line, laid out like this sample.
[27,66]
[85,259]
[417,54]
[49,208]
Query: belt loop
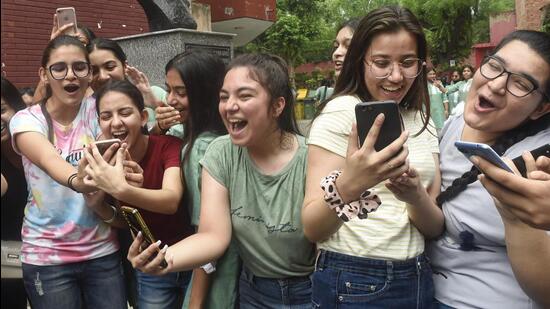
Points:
[248,275]
[319,261]
[389,270]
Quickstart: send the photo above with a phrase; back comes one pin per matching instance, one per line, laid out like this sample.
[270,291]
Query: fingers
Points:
[133,251]
[543,164]
[504,178]
[392,149]
[90,158]
[353,142]
[108,154]
[155,264]
[120,158]
[374,131]
[503,194]
[530,164]
[539,175]
[134,179]
[133,166]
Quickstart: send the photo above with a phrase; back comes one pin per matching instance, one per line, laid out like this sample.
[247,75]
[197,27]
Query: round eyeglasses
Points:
[382,68]
[517,84]
[60,70]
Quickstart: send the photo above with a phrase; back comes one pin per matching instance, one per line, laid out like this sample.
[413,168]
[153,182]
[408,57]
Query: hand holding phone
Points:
[137,224]
[103,145]
[365,114]
[66,16]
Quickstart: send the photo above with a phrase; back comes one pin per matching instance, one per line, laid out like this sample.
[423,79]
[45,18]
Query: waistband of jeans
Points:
[251,277]
[330,258]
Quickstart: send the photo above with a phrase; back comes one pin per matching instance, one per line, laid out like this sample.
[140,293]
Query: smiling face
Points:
[341,44]
[493,110]
[455,77]
[105,66]
[177,93]
[120,118]
[246,108]
[467,73]
[431,76]
[71,89]
[6,113]
[394,47]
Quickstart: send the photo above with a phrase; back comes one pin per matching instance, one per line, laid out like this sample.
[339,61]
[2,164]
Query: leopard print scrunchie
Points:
[368,200]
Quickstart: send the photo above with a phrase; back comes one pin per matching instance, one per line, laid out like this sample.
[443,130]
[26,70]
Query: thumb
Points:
[353,141]
[119,158]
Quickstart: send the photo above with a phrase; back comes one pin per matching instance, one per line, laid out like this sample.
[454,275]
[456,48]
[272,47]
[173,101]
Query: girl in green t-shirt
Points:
[252,191]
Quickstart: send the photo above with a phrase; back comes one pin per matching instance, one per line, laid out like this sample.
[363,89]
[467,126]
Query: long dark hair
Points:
[62,40]
[271,72]
[11,95]
[388,19]
[540,43]
[202,74]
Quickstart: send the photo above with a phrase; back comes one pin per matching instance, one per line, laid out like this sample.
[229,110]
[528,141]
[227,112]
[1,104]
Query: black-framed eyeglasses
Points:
[60,70]
[517,84]
[382,68]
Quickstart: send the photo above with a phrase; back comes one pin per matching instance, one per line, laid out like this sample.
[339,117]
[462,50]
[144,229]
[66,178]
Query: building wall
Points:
[230,9]
[528,13]
[27,24]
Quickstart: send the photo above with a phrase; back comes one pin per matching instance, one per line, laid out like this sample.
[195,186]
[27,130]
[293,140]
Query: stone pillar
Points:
[150,52]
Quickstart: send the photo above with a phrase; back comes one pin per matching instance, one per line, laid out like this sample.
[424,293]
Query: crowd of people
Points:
[248,212]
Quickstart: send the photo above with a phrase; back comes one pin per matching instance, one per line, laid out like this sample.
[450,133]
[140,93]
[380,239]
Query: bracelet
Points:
[368,201]
[70,182]
[115,212]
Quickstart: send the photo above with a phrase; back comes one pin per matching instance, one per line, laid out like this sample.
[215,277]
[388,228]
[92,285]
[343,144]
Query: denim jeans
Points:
[96,283]
[344,281]
[440,305]
[268,293]
[167,291]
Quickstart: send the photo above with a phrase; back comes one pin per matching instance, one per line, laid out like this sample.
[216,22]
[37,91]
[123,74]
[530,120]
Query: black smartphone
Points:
[137,224]
[366,112]
[543,150]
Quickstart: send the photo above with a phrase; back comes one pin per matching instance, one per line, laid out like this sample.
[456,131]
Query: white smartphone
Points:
[484,151]
[66,16]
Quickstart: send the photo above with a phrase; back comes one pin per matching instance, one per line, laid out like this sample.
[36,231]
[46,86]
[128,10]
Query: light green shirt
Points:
[265,209]
[224,281]
[437,109]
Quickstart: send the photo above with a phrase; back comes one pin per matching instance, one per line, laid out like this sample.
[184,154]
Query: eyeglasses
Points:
[519,85]
[59,70]
[382,68]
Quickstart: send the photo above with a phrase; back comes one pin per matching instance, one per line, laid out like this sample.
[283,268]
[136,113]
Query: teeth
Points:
[391,89]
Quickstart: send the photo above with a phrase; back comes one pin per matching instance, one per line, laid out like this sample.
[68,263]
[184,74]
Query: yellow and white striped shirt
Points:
[387,233]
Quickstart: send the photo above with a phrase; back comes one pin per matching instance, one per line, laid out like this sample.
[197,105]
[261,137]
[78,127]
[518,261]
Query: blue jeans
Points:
[268,293]
[167,291]
[344,281]
[96,283]
[440,305]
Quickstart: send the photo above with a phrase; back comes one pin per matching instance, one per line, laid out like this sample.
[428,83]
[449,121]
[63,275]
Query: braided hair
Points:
[500,146]
[540,42]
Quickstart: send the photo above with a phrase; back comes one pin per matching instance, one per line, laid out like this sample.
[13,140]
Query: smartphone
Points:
[482,150]
[66,16]
[137,224]
[102,146]
[543,150]
[366,112]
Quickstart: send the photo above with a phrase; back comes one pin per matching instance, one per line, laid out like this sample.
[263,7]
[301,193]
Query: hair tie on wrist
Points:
[368,201]
[70,182]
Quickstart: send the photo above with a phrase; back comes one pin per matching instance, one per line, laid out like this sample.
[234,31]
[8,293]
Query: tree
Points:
[296,26]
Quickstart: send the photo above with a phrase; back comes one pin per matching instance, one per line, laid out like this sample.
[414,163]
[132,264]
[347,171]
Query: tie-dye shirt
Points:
[58,227]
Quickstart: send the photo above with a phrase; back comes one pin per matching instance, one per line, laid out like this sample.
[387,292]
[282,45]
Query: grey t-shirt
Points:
[265,209]
[483,277]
